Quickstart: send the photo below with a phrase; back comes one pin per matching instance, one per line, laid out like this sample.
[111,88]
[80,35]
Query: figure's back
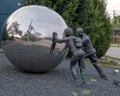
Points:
[74,43]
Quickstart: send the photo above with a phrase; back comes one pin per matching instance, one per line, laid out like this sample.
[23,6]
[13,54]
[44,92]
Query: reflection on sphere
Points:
[27,38]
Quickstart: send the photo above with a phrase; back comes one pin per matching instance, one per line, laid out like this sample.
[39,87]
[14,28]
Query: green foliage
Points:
[116,21]
[89,14]
[103,30]
[96,23]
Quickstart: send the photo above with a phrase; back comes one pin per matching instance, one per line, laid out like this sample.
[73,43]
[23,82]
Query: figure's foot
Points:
[74,73]
[74,77]
[83,82]
[105,78]
[76,83]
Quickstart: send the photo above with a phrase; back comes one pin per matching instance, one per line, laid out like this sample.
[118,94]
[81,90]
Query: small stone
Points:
[85,92]
[117,71]
[93,80]
[74,94]
[47,86]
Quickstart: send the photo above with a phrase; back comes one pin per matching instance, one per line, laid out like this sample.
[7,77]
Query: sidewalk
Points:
[58,82]
[114,52]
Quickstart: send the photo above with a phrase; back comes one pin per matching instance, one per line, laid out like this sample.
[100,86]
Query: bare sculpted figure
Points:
[90,51]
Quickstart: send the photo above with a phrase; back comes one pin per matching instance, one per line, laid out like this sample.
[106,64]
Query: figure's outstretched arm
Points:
[64,40]
[64,49]
[56,40]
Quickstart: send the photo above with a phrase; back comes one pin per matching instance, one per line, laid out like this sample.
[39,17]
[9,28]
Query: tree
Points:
[116,21]
[96,23]
[102,29]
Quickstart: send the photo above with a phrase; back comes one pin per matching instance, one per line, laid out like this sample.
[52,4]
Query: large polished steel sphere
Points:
[27,38]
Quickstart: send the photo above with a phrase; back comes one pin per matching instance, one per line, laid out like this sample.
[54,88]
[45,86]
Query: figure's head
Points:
[68,32]
[54,34]
[80,31]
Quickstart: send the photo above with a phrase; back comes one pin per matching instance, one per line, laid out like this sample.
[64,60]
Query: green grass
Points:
[115,45]
[108,61]
[114,58]
[105,62]
[111,63]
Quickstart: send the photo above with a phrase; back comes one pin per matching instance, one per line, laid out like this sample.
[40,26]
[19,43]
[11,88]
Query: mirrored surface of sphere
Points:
[27,38]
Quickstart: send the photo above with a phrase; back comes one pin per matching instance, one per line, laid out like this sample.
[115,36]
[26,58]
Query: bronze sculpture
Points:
[90,52]
[74,44]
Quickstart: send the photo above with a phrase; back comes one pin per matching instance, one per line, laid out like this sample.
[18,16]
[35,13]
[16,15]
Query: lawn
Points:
[107,62]
[115,45]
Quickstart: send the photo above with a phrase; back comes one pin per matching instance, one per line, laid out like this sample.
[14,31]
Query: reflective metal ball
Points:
[27,38]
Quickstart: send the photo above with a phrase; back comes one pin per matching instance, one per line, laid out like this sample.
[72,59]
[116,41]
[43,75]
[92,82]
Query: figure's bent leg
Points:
[100,71]
[93,59]
[82,69]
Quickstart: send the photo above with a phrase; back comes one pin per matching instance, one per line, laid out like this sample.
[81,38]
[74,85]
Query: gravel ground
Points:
[57,82]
